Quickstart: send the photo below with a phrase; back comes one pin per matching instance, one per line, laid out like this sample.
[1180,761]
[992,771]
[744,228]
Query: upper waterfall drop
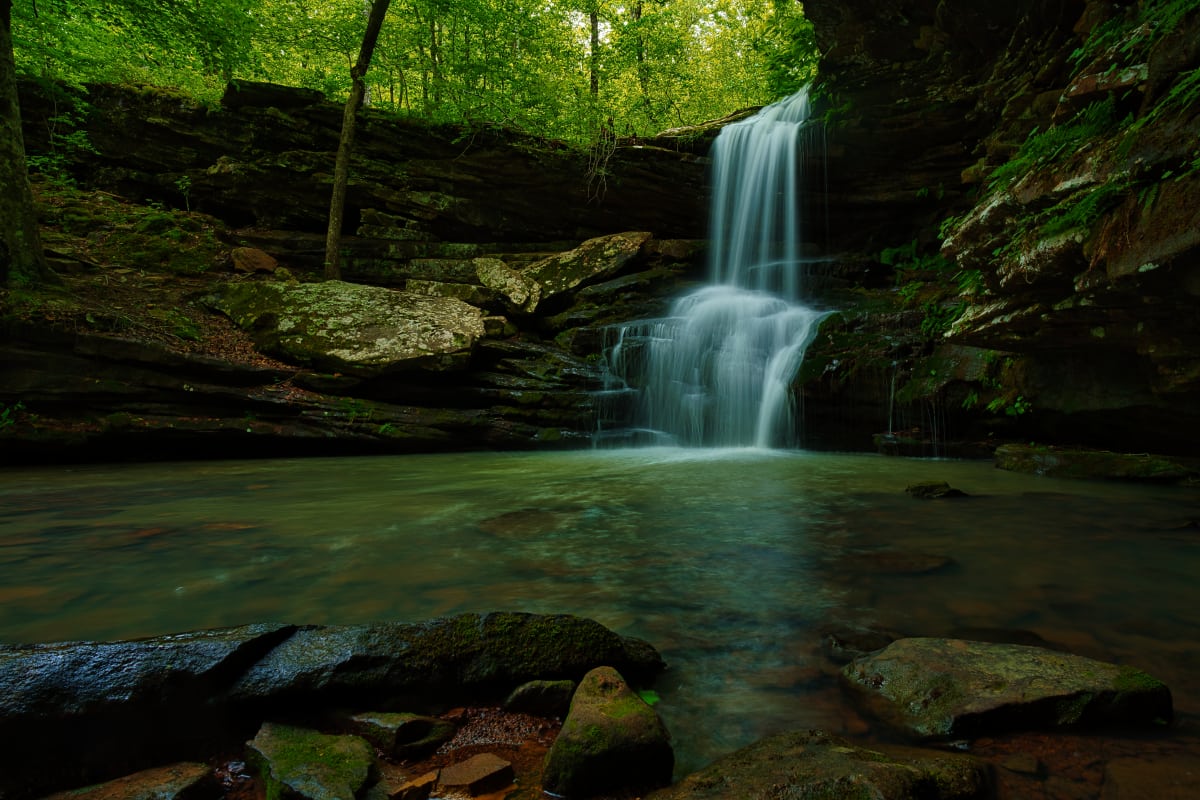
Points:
[756,220]
[717,371]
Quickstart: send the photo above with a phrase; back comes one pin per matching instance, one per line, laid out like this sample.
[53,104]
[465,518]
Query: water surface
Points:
[731,562]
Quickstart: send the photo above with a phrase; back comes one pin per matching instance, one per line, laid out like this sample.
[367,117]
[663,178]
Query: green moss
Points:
[1130,679]
[1045,147]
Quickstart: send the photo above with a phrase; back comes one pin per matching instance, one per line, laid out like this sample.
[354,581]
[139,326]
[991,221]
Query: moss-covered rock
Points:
[346,327]
[815,764]
[611,739]
[952,687]
[300,764]
[595,259]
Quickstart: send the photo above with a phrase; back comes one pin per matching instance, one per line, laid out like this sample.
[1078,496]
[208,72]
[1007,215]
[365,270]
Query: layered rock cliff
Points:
[483,330]
[1010,215]
[1028,174]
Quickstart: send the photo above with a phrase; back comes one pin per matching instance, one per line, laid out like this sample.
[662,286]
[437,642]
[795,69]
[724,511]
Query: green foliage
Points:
[927,277]
[939,317]
[661,63]
[1131,35]
[9,414]
[1015,407]
[1082,209]
[1044,147]
[66,134]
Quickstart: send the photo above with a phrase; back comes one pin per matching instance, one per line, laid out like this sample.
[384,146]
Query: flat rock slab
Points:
[300,763]
[480,774]
[594,260]
[818,765]
[174,782]
[954,687]
[350,328]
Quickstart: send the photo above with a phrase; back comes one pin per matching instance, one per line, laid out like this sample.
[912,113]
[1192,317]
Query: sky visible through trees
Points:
[530,64]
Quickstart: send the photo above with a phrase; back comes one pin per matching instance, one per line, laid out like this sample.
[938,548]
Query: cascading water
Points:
[716,372]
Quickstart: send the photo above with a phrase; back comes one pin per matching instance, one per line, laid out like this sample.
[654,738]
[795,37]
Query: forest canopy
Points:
[559,68]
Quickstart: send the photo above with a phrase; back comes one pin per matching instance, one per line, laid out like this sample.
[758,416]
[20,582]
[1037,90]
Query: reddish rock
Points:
[478,775]
[161,783]
[251,259]
[416,789]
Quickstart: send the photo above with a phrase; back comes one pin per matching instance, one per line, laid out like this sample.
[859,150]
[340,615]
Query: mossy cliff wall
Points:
[1013,195]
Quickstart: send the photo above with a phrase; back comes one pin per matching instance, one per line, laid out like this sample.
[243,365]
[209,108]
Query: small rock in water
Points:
[933,490]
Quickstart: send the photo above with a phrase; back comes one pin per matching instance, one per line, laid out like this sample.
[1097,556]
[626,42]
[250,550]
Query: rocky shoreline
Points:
[509,705]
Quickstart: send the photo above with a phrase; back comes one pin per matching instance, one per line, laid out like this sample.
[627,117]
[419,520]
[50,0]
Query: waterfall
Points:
[717,371]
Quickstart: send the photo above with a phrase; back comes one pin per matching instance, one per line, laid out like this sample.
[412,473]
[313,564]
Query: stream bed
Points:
[733,563]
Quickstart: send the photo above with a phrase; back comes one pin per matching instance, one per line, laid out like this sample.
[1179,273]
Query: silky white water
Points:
[717,370]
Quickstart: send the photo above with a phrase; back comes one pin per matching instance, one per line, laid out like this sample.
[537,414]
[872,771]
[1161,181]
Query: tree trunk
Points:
[21,258]
[341,170]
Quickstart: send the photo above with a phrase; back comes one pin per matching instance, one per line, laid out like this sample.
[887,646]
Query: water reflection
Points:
[731,562]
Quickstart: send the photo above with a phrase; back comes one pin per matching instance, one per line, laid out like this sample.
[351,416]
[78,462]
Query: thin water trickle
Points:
[717,370]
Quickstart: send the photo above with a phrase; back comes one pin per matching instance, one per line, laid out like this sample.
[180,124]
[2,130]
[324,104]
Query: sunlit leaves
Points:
[524,63]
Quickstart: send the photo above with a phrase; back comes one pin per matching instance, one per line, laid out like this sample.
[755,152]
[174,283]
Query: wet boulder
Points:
[351,328]
[78,712]
[817,764]
[953,687]
[611,739]
[456,659]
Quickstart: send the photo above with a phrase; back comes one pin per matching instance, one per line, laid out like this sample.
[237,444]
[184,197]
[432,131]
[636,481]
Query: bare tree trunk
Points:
[341,170]
[21,258]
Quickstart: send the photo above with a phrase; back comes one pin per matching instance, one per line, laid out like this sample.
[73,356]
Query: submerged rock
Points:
[1059,462]
[932,490]
[611,739]
[818,765]
[953,687]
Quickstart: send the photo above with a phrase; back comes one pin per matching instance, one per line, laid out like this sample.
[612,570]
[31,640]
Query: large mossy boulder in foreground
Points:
[78,712]
[611,739]
[346,327]
[951,687]
[815,764]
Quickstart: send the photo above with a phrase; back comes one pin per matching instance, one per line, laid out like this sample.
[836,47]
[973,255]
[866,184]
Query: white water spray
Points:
[717,371]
